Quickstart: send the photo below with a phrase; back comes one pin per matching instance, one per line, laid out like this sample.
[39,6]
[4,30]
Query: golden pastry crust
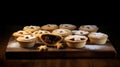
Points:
[43,48]
[67,26]
[76,38]
[49,27]
[97,35]
[76,41]
[98,38]
[89,28]
[31,28]
[26,38]
[80,32]
[62,32]
[40,32]
[19,33]
[26,41]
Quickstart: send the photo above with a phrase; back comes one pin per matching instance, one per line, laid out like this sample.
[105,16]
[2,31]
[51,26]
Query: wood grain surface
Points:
[64,63]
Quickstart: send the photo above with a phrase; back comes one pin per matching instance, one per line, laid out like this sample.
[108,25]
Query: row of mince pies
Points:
[54,35]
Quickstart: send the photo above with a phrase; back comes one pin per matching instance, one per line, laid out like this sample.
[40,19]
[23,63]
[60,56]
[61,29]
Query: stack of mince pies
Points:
[54,35]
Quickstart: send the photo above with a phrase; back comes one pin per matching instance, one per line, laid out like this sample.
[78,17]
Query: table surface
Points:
[90,50]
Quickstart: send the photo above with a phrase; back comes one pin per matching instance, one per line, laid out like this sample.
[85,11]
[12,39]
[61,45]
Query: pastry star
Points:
[59,45]
[43,48]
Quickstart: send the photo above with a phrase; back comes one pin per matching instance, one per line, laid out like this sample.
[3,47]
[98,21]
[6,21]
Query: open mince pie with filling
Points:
[39,33]
[51,40]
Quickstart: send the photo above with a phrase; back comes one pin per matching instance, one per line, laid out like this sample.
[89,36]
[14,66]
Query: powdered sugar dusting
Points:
[80,32]
[98,34]
[13,45]
[95,47]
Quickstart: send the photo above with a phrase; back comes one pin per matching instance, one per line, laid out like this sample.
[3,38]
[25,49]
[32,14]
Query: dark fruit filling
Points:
[72,39]
[66,26]
[88,27]
[40,32]
[26,37]
[20,32]
[36,32]
[61,31]
[32,27]
[82,38]
[50,39]
[81,32]
[45,32]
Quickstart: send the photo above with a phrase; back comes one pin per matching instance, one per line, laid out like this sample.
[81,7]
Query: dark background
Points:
[106,23]
[105,15]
